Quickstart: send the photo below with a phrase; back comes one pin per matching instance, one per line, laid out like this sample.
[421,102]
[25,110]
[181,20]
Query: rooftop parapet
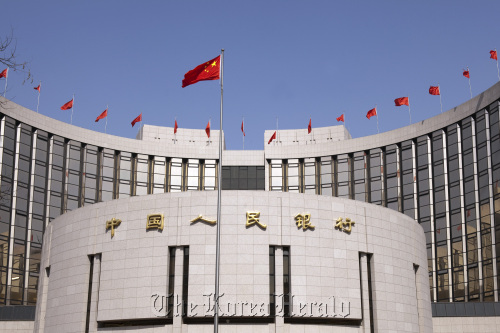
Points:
[300,137]
[184,136]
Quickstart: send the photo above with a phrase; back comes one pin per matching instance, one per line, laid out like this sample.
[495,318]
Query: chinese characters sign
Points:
[344,226]
[303,221]
[155,221]
[112,224]
[254,218]
[200,218]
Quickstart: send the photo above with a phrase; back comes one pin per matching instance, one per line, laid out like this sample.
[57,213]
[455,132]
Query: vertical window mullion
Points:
[368,184]
[13,214]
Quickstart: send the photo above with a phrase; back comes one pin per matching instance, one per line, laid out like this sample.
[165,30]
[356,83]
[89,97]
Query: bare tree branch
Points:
[8,48]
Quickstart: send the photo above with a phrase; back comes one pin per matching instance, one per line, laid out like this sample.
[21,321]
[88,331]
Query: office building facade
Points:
[442,172]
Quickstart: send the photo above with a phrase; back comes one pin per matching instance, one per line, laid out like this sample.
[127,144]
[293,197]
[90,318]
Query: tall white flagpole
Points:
[470,87]
[440,101]
[72,106]
[243,130]
[345,124]
[219,185]
[376,113]
[6,76]
[277,134]
[39,88]
[409,108]
[106,124]
[498,70]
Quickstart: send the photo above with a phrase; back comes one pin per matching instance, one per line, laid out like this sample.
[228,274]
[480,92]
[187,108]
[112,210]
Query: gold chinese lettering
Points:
[202,219]
[253,218]
[304,221]
[339,223]
[112,224]
[155,221]
[344,226]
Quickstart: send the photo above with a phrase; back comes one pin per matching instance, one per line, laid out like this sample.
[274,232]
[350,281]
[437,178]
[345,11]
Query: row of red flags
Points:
[210,70]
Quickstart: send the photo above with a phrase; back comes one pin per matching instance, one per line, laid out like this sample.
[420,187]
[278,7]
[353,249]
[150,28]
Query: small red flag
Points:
[493,54]
[402,101]
[68,105]
[136,120]
[4,73]
[466,74]
[434,90]
[273,137]
[341,118]
[207,129]
[37,88]
[242,128]
[102,115]
[175,127]
[209,70]
[371,113]
[309,127]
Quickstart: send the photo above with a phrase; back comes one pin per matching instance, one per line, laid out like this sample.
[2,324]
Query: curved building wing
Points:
[442,172]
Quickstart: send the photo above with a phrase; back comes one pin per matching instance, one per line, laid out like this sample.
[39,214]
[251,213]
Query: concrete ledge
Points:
[17,312]
[467,309]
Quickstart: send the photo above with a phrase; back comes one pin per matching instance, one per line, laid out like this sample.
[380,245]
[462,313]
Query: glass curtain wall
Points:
[125,175]
[91,188]
[377,194]
[326,168]
[175,184]
[360,176]
[209,175]
[455,195]
[57,167]
[159,174]
[38,212]
[141,174]
[44,175]
[73,174]
[108,175]
[448,179]
[485,206]
[20,212]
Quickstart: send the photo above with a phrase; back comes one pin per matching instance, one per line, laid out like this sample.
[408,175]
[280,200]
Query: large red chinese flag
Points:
[136,120]
[434,90]
[341,118]
[493,54]
[37,88]
[4,73]
[402,101]
[466,74]
[68,105]
[175,126]
[102,115]
[273,137]
[207,129]
[371,113]
[242,128]
[209,70]
[309,127]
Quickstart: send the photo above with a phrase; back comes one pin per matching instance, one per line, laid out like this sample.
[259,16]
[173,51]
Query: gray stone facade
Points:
[443,172]
[328,266]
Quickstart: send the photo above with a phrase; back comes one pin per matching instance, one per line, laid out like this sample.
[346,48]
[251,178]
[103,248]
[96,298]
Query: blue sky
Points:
[285,59]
